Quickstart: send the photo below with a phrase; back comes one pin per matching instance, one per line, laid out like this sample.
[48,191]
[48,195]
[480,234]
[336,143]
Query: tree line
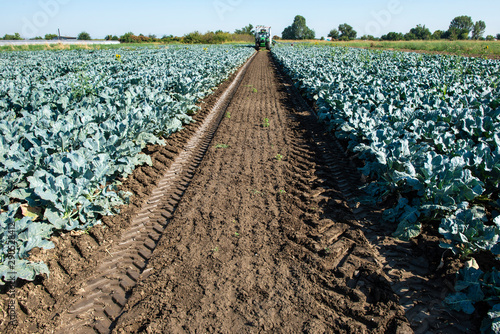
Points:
[195,37]
[84,36]
[461,28]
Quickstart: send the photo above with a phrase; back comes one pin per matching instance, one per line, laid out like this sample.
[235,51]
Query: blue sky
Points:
[102,17]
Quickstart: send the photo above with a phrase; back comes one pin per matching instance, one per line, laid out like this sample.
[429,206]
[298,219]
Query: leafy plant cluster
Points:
[73,123]
[427,127]
[475,286]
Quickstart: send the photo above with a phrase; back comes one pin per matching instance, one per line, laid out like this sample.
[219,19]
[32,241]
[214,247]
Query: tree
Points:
[84,36]
[410,37]
[171,38]
[334,34]
[498,37]
[14,37]
[460,27]
[438,34]
[248,30]
[367,38]
[478,29]
[393,36]
[347,32]
[194,37]
[298,30]
[421,32]
[48,37]
[287,33]
[490,38]
[129,38]
[143,39]
[108,37]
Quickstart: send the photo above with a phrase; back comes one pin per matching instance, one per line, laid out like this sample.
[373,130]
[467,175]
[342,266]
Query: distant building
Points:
[63,38]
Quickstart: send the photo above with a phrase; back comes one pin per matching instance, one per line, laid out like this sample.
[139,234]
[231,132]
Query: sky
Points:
[116,17]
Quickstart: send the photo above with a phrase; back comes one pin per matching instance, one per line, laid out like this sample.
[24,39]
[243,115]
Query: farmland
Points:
[74,123]
[466,48]
[426,126]
[139,190]
[469,48]
[428,130]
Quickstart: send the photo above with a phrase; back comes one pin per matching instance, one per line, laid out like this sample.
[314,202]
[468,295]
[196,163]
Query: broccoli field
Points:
[205,188]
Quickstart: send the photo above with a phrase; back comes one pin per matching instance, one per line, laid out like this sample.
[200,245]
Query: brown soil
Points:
[264,239]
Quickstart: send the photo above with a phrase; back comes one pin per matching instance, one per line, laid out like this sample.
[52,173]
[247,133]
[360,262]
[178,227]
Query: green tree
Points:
[438,34]
[421,32]
[84,36]
[347,32]
[298,30]
[108,37]
[490,38]
[248,30]
[194,37]
[287,33]
[410,37]
[367,38]
[48,37]
[128,38]
[478,29]
[334,34]
[15,37]
[498,37]
[460,27]
[393,36]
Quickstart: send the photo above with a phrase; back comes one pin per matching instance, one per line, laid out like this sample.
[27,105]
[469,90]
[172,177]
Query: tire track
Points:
[341,261]
[269,245]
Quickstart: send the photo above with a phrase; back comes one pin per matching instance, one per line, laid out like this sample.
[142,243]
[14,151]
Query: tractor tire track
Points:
[262,241]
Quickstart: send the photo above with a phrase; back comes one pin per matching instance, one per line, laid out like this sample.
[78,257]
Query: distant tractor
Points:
[263,37]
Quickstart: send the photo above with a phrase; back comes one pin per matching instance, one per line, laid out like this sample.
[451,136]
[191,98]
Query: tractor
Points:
[263,37]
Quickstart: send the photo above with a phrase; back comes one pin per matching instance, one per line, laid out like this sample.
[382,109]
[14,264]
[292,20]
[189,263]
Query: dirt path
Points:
[259,242]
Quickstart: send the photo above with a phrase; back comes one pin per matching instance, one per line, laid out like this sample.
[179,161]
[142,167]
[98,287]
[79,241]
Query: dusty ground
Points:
[264,239]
